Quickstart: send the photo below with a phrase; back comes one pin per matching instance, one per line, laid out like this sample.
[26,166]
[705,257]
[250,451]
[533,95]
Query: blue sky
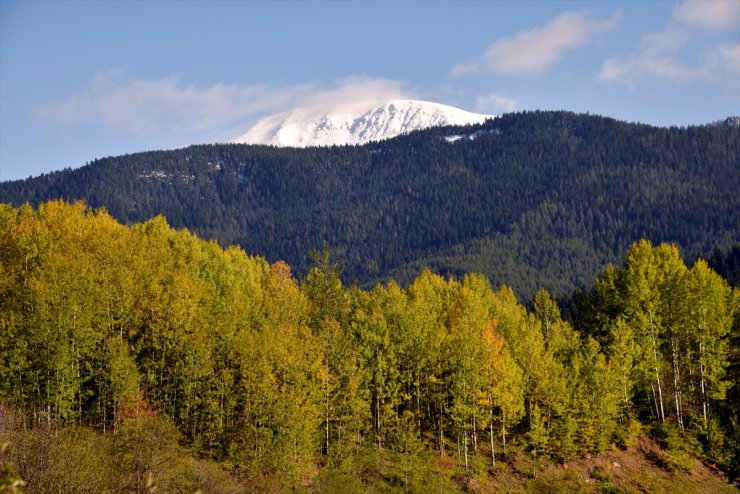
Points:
[84,80]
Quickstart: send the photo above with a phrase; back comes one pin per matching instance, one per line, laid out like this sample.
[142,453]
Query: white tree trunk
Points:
[493,452]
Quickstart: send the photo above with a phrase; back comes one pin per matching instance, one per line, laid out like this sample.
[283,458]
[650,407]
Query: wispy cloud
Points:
[172,107]
[495,103]
[630,72]
[709,15]
[660,54]
[724,58]
[357,88]
[533,51]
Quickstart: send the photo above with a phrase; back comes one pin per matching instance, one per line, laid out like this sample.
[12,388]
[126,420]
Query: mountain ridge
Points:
[536,199]
[354,123]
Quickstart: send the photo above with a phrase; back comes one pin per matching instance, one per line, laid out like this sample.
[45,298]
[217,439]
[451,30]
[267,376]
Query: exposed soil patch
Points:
[644,467]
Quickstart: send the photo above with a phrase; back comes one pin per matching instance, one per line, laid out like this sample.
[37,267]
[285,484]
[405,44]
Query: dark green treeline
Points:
[111,328]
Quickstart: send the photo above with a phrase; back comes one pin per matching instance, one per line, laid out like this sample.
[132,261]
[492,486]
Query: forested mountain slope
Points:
[529,199]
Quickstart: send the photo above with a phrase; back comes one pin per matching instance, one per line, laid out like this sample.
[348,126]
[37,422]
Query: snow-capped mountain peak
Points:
[355,123]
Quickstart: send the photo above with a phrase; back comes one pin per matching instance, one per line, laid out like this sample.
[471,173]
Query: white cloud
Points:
[171,107]
[670,40]
[495,102]
[655,58]
[358,88]
[661,54]
[534,50]
[724,58]
[631,71]
[709,15]
[715,66]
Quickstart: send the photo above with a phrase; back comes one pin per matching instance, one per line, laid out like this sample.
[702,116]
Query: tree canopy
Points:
[145,333]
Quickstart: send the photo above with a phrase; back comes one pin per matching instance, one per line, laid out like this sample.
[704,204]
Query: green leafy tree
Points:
[622,355]
[504,393]
[711,317]
[642,309]
[468,318]
[537,437]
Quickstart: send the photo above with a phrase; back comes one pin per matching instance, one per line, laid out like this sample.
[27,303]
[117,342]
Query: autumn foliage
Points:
[148,333]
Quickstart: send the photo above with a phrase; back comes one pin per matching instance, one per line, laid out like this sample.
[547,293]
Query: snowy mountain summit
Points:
[355,123]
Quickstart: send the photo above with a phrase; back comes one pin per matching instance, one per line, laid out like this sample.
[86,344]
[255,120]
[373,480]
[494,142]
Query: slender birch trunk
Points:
[657,381]
[676,380]
[441,438]
[326,419]
[493,452]
[459,452]
[475,437]
[503,432]
[654,403]
[465,447]
[703,386]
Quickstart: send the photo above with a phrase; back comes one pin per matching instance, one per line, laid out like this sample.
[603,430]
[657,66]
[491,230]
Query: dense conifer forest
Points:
[142,359]
[532,200]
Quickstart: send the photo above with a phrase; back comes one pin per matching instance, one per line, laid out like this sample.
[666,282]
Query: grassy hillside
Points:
[80,460]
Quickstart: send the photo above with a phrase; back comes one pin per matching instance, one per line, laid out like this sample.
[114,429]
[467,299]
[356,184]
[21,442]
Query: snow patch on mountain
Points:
[356,123]
[472,136]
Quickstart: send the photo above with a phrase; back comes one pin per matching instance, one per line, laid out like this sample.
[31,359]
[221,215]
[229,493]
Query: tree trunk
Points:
[441,438]
[703,386]
[676,380]
[493,452]
[625,392]
[654,403]
[660,396]
[465,447]
[326,420]
[475,437]
[503,433]
[377,418]
[657,381]
[418,401]
[459,453]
